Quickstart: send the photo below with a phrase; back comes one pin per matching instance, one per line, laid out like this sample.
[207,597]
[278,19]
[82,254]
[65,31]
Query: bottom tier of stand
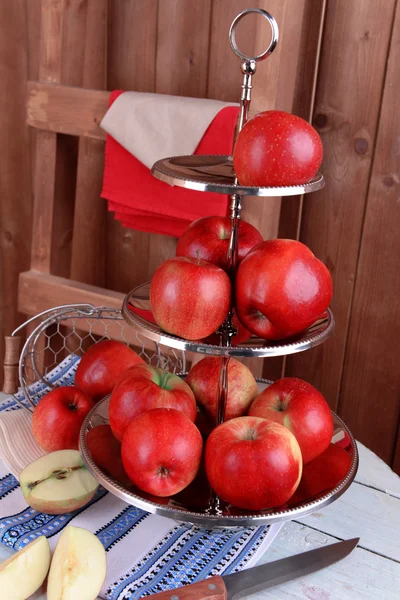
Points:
[197,504]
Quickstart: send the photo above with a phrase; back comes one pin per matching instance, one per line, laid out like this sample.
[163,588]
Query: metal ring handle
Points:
[274,38]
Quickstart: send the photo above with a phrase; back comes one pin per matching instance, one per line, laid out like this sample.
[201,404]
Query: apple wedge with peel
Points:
[23,574]
[57,483]
[78,568]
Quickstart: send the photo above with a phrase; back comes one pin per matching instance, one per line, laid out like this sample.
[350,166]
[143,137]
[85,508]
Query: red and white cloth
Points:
[143,128]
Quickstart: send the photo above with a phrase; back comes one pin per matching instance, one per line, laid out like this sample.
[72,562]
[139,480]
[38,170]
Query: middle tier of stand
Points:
[136,311]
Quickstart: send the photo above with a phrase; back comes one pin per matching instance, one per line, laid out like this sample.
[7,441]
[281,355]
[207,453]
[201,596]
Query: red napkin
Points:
[142,202]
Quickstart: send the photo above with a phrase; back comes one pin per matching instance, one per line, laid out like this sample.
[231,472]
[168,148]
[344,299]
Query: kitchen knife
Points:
[240,585]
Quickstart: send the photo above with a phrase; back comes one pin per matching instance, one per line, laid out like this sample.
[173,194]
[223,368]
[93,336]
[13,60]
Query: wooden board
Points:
[62,109]
[304,101]
[52,27]
[370,394]
[346,115]
[89,227]
[15,165]
[188,48]
[185,46]
[131,66]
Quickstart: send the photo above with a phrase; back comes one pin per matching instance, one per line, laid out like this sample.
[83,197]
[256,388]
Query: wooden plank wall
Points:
[336,64]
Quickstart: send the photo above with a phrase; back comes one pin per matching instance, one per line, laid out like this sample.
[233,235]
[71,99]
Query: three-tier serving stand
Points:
[63,333]
[199,505]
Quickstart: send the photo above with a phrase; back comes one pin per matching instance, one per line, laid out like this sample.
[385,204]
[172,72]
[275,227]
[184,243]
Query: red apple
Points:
[281,289]
[302,409]
[102,365]
[253,463]
[323,473]
[161,451]
[57,419]
[276,148]
[105,450]
[144,387]
[208,238]
[190,297]
[242,387]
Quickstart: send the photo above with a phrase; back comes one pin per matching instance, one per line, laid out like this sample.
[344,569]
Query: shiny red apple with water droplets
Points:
[253,463]
[101,366]
[161,451]
[300,407]
[281,289]
[276,148]
[58,417]
[190,297]
[208,238]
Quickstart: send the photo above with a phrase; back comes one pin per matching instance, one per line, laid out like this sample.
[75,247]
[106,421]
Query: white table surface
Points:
[370,510]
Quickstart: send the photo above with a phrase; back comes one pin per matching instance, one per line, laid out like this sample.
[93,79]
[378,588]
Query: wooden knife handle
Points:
[208,589]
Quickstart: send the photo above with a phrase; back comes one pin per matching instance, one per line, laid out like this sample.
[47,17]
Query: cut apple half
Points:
[78,568]
[23,574]
[57,483]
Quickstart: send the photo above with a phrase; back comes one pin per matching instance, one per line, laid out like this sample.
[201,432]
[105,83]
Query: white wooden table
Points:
[370,510]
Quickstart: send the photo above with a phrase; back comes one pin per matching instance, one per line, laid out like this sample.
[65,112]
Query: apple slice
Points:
[57,483]
[23,574]
[78,568]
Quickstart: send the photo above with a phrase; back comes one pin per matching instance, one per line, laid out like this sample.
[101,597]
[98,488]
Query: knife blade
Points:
[234,586]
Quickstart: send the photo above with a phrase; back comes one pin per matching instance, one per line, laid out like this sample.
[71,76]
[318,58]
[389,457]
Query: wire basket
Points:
[61,337]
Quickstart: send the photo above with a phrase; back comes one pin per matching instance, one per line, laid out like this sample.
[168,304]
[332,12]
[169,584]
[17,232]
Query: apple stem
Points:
[198,256]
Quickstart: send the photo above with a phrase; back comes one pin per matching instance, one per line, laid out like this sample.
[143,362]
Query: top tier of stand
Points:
[215,173]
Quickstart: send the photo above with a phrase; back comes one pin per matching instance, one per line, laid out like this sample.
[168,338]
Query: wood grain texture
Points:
[83,46]
[50,60]
[371,376]
[186,47]
[63,109]
[132,36]
[356,40]
[51,39]
[182,47]
[396,454]
[89,227]
[304,101]
[209,589]
[63,211]
[88,243]
[15,165]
